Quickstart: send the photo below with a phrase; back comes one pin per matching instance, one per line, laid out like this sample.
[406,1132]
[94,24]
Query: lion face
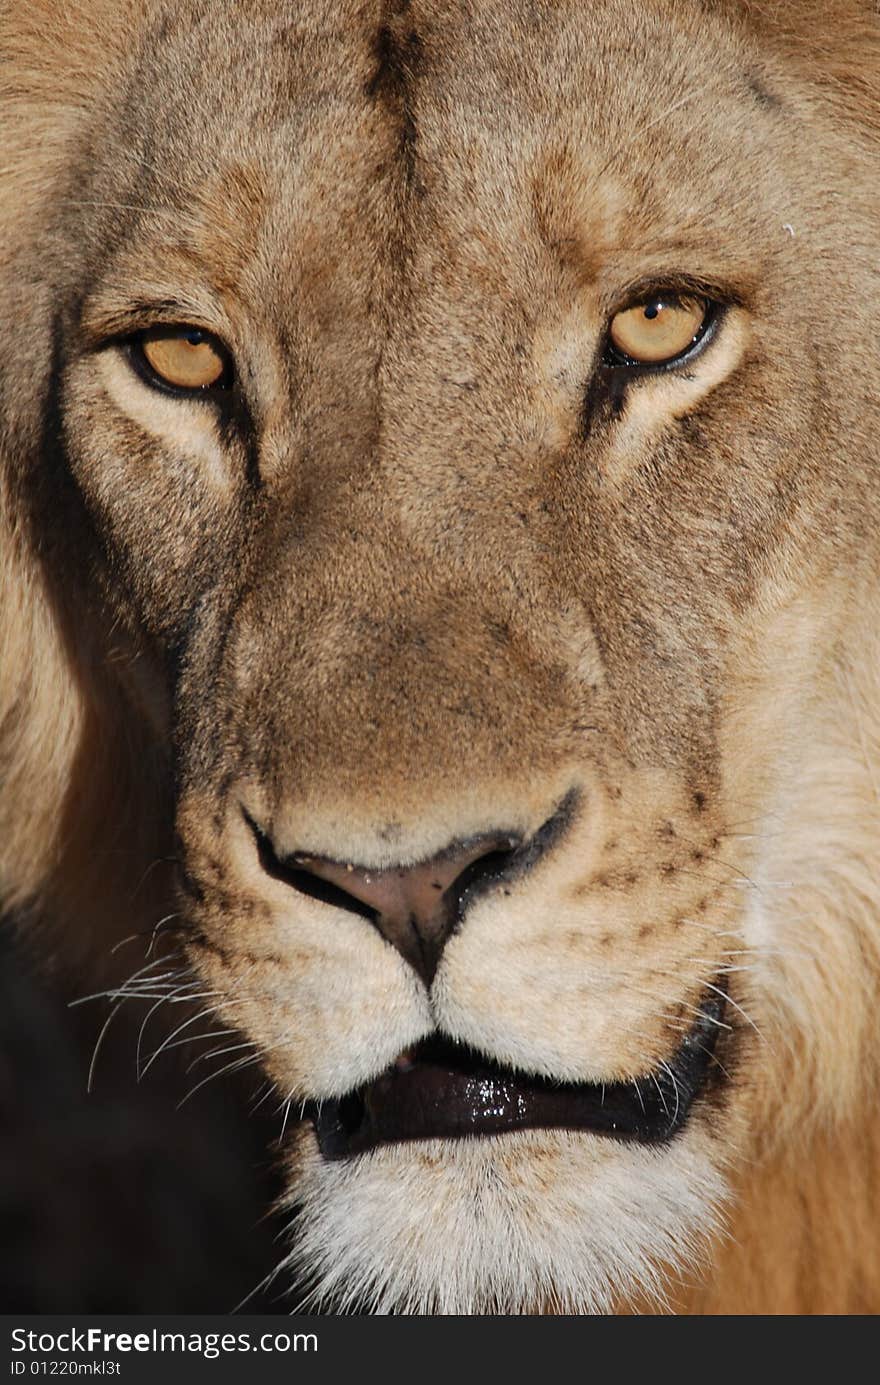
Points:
[450,427]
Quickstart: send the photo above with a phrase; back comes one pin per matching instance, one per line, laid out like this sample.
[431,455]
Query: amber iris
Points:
[187,358]
[658,330]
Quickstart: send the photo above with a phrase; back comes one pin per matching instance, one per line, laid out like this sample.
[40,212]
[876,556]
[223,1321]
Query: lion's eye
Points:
[186,358]
[658,330]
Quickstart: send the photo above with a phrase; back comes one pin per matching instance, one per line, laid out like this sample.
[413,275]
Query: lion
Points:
[441,599]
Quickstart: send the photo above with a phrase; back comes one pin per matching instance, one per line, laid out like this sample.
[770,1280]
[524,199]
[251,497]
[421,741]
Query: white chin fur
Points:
[526,1223]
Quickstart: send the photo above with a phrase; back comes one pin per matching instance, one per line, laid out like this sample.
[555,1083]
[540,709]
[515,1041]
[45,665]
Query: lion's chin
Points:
[527,1222]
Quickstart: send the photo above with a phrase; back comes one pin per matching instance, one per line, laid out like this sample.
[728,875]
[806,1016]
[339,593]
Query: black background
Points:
[115,1201]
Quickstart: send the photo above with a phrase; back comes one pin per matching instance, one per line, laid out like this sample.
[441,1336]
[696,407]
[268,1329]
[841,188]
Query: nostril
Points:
[481,875]
[294,871]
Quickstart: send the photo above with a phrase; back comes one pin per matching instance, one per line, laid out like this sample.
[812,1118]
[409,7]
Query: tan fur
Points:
[425,581]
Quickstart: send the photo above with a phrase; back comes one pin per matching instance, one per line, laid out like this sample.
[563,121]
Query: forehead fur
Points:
[63,64]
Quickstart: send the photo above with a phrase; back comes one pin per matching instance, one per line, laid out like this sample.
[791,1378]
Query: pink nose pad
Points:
[415,908]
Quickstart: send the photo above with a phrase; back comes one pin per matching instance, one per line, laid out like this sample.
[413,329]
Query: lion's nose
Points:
[416,908]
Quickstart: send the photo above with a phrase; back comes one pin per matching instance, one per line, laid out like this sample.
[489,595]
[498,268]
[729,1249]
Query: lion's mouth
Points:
[442,1090]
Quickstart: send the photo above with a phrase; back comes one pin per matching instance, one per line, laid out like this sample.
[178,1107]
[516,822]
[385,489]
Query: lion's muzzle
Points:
[416,908]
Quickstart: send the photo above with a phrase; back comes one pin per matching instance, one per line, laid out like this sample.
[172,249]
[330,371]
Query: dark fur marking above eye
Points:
[762,93]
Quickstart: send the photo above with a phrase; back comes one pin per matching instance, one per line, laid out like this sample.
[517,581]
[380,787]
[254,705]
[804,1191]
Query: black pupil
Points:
[195,338]
[652,310]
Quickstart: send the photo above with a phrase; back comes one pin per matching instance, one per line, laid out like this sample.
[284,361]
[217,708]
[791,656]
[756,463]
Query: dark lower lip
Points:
[445,1091]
